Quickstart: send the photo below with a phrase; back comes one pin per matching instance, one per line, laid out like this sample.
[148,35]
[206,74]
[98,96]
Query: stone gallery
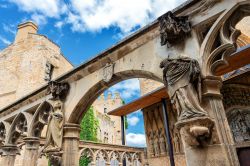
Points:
[198,55]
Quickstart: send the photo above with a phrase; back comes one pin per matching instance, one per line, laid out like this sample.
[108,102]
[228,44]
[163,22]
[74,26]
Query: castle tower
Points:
[24,29]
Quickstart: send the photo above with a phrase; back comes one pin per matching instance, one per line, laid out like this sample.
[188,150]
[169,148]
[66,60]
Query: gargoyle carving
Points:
[183,80]
[173,29]
[58,90]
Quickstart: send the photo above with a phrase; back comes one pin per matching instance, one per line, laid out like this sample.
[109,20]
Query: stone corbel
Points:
[55,158]
[183,81]
[197,131]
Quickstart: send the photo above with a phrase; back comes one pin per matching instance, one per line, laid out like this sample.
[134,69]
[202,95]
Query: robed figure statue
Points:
[182,78]
[55,129]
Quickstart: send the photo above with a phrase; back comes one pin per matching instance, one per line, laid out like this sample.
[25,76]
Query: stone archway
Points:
[91,95]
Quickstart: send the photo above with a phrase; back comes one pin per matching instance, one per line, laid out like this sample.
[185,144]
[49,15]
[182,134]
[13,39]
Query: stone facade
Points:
[109,130]
[27,64]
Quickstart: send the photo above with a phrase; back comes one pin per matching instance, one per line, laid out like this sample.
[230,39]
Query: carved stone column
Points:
[199,119]
[71,144]
[9,155]
[213,97]
[31,151]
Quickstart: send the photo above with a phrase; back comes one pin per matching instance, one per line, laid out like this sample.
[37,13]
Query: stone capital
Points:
[9,150]
[71,130]
[32,143]
[211,86]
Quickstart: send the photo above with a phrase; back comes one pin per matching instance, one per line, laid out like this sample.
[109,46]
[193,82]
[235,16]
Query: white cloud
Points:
[135,139]
[9,28]
[132,121]
[48,8]
[39,19]
[4,40]
[96,15]
[59,24]
[128,88]
[124,14]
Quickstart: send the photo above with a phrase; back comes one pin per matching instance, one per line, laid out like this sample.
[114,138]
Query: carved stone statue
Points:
[173,29]
[156,145]
[182,77]
[54,133]
[183,80]
[162,143]
[151,144]
[176,141]
[48,71]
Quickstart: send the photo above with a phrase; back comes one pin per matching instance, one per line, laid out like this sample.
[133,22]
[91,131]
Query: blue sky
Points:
[84,28]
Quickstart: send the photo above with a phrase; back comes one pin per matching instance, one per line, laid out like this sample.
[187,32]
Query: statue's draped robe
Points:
[182,77]
[54,131]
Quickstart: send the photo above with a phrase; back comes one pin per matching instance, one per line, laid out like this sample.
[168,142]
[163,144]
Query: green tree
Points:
[89,126]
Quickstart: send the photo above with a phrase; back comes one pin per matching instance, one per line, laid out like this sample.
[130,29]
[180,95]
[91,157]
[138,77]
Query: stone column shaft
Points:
[31,151]
[71,145]
[212,86]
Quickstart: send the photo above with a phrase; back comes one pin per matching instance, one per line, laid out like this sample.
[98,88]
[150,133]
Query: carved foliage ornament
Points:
[173,29]
[58,90]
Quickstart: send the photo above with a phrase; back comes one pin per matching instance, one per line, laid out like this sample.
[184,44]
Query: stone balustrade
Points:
[100,154]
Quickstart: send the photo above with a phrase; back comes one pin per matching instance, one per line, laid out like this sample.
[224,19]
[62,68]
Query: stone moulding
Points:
[173,29]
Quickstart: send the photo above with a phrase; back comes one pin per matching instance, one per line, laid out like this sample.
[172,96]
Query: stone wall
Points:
[148,85]
[24,64]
